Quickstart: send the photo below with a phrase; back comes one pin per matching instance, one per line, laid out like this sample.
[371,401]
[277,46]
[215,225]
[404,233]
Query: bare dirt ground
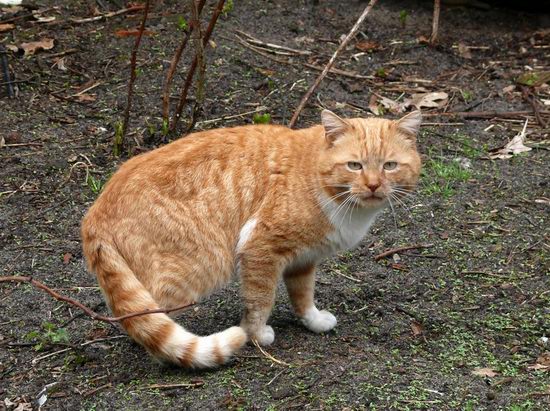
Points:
[414,328]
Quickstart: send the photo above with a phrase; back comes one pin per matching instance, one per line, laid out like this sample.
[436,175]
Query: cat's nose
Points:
[373,186]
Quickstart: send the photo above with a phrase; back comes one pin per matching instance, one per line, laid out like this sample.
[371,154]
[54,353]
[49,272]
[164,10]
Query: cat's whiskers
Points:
[402,204]
[392,211]
[403,192]
[340,208]
[400,197]
[337,210]
[332,198]
[354,204]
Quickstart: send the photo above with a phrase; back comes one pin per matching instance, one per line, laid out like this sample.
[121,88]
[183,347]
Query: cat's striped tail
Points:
[158,333]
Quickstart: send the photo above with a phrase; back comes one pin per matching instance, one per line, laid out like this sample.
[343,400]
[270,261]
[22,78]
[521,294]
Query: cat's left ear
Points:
[410,124]
[335,126]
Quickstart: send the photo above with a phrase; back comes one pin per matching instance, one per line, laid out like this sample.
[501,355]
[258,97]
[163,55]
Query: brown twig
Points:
[400,249]
[484,114]
[172,70]
[199,55]
[92,314]
[191,72]
[172,386]
[119,137]
[435,21]
[330,63]
[264,45]
[531,99]
[268,355]
[340,72]
[112,13]
[6,71]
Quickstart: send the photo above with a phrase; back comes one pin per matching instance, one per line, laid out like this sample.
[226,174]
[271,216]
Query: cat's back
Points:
[207,164]
[215,146]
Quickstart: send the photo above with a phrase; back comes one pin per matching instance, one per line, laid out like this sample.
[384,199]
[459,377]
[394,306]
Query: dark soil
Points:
[412,328]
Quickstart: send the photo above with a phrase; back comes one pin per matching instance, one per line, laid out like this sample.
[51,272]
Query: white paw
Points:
[265,336]
[319,321]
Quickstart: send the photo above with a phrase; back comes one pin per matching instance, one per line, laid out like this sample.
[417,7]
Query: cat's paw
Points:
[319,321]
[265,336]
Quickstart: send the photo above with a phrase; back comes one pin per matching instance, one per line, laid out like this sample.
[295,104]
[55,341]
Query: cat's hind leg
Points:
[300,284]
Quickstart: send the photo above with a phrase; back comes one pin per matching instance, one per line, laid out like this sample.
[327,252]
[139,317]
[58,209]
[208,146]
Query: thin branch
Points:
[531,99]
[400,249]
[92,314]
[6,71]
[183,96]
[263,44]
[484,114]
[172,70]
[172,386]
[111,14]
[330,63]
[199,55]
[119,139]
[435,21]
[268,355]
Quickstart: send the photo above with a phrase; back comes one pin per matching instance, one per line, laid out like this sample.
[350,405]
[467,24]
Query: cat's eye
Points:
[354,165]
[390,165]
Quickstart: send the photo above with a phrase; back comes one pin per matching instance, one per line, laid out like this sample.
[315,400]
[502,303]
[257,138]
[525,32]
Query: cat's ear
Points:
[410,124]
[334,125]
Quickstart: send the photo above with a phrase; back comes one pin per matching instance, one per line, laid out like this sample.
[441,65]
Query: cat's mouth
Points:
[371,199]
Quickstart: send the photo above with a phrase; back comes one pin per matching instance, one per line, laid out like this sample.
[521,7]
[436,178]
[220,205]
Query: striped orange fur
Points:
[263,202]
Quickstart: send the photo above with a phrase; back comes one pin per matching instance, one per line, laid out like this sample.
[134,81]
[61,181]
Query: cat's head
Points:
[372,160]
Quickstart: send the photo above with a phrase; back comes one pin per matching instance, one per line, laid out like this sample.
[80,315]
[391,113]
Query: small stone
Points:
[464,163]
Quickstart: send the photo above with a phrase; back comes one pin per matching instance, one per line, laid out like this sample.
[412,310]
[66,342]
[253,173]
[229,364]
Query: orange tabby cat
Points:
[263,202]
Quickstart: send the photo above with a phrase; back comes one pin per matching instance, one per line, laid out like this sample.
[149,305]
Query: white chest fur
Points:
[350,227]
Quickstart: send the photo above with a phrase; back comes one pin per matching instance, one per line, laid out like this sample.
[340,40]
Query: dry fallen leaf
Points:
[12,47]
[34,46]
[417,328]
[39,18]
[374,107]
[464,51]
[6,27]
[12,9]
[515,146]
[392,105]
[434,99]
[485,372]
[367,45]
[85,98]
[67,258]
[18,403]
[542,363]
[423,40]
[131,32]
[387,103]
[60,64]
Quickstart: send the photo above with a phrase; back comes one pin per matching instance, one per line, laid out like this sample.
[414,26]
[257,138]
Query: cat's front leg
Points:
[260,274]
[300,284]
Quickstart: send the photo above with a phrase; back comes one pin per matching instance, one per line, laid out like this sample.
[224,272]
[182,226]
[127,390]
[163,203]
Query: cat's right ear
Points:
[334,125]
[410,124]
